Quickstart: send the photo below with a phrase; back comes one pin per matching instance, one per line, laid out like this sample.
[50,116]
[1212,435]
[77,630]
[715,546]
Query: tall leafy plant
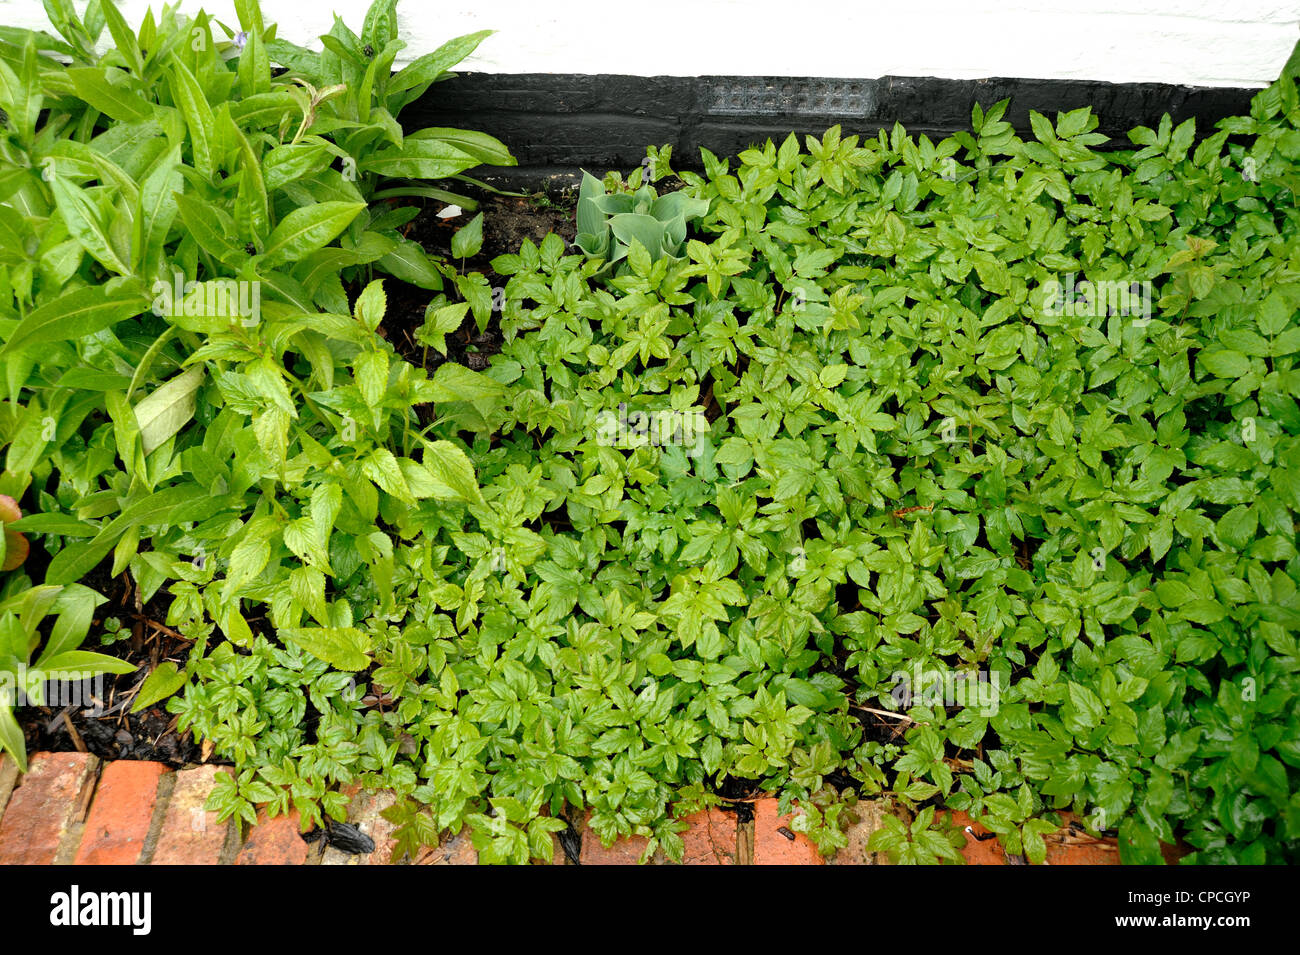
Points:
[354,97]
[177,404]
[24,611]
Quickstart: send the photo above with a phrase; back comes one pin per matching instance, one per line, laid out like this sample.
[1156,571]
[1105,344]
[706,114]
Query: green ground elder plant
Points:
[993,507]
[924,455]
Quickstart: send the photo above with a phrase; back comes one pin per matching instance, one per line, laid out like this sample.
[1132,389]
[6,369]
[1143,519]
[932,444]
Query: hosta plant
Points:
[609,222]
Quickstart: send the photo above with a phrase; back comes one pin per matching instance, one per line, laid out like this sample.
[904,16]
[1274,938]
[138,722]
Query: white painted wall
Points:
[1194,42]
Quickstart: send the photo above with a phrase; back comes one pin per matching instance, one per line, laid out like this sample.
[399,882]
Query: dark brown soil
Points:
[105,727]
[507,222]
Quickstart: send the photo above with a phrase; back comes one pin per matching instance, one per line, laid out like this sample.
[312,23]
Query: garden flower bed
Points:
[858,498]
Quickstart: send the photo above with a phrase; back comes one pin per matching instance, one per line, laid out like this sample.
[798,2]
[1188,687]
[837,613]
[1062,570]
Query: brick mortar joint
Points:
[79,811]
[162,799]
[745,841]
[234,841]
[8,781]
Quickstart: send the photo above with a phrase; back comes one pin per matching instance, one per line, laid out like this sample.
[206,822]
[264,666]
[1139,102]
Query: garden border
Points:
[557,123]
[73,808]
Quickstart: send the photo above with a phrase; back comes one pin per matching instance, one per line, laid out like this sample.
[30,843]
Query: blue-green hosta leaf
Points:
[629,227]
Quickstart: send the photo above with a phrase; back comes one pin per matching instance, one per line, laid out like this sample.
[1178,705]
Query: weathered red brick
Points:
[776,842]
[190,834]
[459,850]
[871,815]
[1068,846]
[557,853]
[1082,853]
[44,806]
[121,813]
[454,850]
[623,852]
[8,779]
[1173,855]
[711,838]
[986,851]
[626,851]
[365,812]
[274,841]
[1064,847]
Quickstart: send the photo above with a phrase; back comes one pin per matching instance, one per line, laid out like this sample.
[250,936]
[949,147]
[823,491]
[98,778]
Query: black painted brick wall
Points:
[556,122]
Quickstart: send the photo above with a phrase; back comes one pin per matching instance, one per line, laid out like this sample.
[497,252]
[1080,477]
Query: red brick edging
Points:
[71,808]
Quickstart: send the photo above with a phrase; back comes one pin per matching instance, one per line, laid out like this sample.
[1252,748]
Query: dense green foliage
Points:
[999,438]
[171,225]
[1094,503]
